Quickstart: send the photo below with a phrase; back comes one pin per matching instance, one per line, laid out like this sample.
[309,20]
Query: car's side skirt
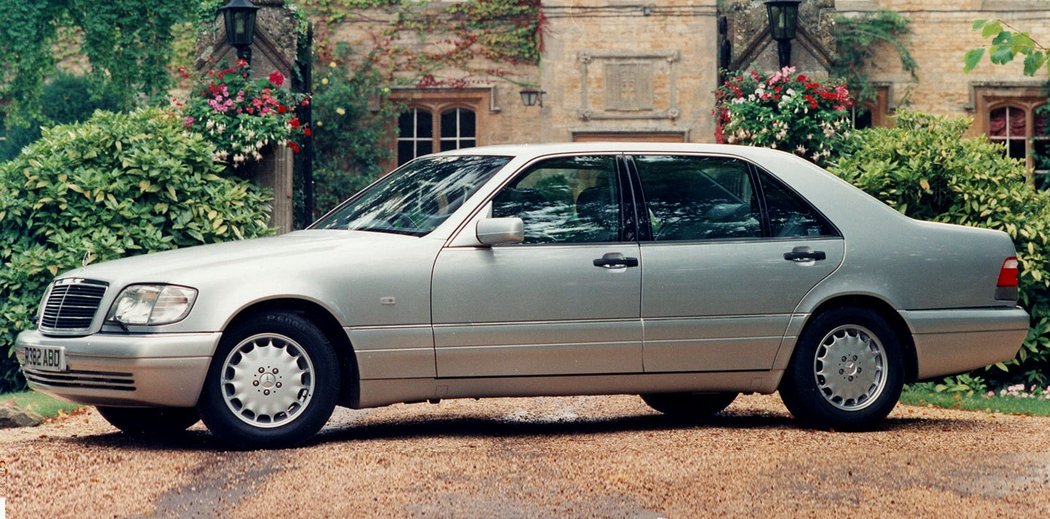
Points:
[375,393]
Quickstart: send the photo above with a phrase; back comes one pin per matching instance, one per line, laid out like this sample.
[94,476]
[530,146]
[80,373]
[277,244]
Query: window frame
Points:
[439,100]
[628,228]
[991,97]
[754,172]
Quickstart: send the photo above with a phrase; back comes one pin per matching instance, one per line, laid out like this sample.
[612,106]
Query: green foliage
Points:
[352,115]
[1028,405]
[927,169]
[66,98]
[1006,44]
[242,117]
[857,40]
[114,186]
[791,112]
[128,43]
[44,405]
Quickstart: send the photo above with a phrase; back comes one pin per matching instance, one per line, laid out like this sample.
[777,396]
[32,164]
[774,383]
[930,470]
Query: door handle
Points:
[801,254]
[615,260]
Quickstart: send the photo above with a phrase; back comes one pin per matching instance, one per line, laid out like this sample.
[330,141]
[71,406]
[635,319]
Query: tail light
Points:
[1006,287]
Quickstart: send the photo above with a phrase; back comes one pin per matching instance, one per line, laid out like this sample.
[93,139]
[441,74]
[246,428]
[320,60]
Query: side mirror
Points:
[498,231]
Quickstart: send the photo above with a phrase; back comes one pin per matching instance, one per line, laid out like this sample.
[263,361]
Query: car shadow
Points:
[494,427]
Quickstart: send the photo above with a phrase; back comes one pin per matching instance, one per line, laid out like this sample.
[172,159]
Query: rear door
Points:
[733,252]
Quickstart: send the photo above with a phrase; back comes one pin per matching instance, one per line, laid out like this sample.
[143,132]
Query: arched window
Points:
[421,131]
[1022,132]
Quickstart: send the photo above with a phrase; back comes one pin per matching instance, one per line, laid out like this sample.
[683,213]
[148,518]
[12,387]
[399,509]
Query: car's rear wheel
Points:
[689,406]
[273,382]
[847,371]
[150,420]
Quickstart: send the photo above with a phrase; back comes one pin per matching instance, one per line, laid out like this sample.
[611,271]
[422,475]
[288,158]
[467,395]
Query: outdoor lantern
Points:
[239,16]
[783,22]
[532,97]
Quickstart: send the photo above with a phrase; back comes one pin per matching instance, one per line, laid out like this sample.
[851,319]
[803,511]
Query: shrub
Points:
[791,112]
[66,98]
[352,115]
[116,185]
[927,169]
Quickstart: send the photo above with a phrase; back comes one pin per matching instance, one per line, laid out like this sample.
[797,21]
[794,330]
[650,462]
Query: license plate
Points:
[45,358]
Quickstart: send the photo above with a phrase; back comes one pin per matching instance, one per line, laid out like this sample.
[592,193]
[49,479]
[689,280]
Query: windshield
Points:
[415,198]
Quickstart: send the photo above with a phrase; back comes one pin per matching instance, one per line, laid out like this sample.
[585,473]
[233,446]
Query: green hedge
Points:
[927,169]
[116,185]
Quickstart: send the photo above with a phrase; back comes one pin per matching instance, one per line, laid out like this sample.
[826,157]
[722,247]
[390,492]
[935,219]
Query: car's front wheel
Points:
[847,371]
[150,420]
[689,406]
[273,382]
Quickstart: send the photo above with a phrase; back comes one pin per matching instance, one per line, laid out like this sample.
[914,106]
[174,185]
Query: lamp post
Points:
[239,17]
[783,22]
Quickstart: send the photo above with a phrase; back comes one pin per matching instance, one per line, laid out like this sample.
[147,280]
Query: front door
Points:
[545,306]
[718,290]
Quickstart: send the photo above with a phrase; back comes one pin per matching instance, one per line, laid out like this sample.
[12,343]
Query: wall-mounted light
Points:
[783,22]
[239,17]
[532,97]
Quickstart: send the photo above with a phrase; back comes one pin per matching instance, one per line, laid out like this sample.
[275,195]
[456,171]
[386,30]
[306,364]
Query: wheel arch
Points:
[882,309]
[329,325]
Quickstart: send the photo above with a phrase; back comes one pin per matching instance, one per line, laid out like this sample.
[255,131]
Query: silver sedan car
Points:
[684,273]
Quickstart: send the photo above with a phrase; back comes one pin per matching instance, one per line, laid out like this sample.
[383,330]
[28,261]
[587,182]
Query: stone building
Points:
[644,70]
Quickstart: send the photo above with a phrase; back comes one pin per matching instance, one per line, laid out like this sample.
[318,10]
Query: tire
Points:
[847,371]
[141,421]
[273,382]
[689,406]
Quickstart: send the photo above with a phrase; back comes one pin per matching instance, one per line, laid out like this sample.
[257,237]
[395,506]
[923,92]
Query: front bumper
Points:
[956,341]
[164,370]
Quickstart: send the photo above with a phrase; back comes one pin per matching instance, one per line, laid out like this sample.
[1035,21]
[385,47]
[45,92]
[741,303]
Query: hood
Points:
[274,255]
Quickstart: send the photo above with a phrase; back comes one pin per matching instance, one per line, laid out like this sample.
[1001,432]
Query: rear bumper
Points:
[955,341]
[165,370]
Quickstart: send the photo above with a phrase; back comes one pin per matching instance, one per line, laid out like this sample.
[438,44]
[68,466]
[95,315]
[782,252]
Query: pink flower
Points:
[276,78]
[187,121]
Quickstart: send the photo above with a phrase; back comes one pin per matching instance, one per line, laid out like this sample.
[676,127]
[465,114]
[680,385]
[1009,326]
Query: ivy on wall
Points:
[127,42]
[415,41]
[857,41]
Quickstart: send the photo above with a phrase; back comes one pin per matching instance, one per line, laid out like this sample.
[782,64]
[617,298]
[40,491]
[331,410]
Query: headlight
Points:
[152,305]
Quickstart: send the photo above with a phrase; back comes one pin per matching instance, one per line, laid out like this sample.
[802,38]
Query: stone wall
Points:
[609,67]
[941,35]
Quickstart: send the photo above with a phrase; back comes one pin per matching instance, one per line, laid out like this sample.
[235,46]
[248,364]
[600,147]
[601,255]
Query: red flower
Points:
[306,102]
[295,147]
[276,78]
[242,63]
[307,132]
[281,109]
[183,73]
[294,123]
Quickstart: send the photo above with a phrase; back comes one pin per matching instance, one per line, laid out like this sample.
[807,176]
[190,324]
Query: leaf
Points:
[1033,62]
[972,58]
[991,29]
[977,24]
[1002,54]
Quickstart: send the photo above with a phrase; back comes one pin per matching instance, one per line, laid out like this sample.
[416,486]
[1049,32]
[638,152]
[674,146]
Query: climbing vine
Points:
[856,42]
[415,42]
[126,42]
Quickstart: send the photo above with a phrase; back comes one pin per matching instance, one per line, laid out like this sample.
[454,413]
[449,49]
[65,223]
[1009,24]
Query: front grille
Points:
[71,305]
[82,379]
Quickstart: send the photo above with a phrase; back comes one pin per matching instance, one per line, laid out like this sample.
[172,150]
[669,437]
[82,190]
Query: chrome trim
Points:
[71,306]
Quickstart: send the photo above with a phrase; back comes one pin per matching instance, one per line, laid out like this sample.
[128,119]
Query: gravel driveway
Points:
[543,457]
